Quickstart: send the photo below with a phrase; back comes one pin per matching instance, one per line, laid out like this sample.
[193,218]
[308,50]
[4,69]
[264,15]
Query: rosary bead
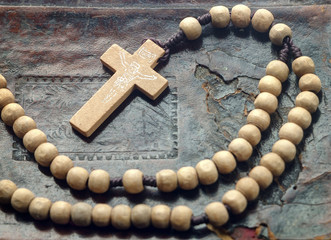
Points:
[217,213]
[250,133]
[285,149]
[240,16]
[207,172]
[33,139]
[191,28]
[60,166]
[21,199]
[267,102]
[160,216]
[180,218]
[235,200]
[259,118]
[77,178]
[6,97]
[303,65]
[220,16]
[7,188]
[60,212]
[166,180]
[310,82]
[11,112]
[101,215]
[274,163]
[292,132]
[300,116]
[307,100]
[224,161]
[45,153]
[262,20]
[133,181]
[271,85]
[187,178]
[39,208]
[81,214]
[121,217]
[23,125]
[278,32]
[262,176]
[278,69]
[99,181]
[141,216]
[241,148]
[3,82]
[248,187]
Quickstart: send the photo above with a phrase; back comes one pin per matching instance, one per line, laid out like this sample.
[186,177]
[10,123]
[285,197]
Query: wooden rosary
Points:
[207,171]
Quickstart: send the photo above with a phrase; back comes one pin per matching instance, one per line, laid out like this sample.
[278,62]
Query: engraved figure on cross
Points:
[131,72]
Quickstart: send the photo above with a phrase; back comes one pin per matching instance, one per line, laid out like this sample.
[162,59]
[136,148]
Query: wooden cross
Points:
[131,71]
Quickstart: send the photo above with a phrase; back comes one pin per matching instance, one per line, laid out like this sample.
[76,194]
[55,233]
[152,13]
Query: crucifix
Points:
[131,71]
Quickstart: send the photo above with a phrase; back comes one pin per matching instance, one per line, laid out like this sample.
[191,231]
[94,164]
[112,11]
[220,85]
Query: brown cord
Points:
[197,220]
[149,181]
[116,182]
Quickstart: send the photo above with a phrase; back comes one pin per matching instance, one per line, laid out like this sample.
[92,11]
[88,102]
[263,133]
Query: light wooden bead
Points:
[166,180]
[267,102]
[39,208]
[81,214]
[300,116]
[6,97]
[271,85]
[278,69]
[285,149]
[207,172]
[303,65]
[251,133]
[21,200]
[248,187]
[77,178]
[217,213]
[274,163]
[292,132]
[99,181]
[259,118]
[7,188]
[187,178]
[240,16]
[160,216]
[133,181]
[33,139]
[101,215]
[191,28]
[262,176]
[278,32]
[11,112]
[262,20]
[141,216]
[307,100]
[23,125]
[45,153]
[60,212]
[241,148]
[60,166]
[180,218]
[224,161]
[310,82]
[220,16]
[121,217]
[235,200]
[3,82]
